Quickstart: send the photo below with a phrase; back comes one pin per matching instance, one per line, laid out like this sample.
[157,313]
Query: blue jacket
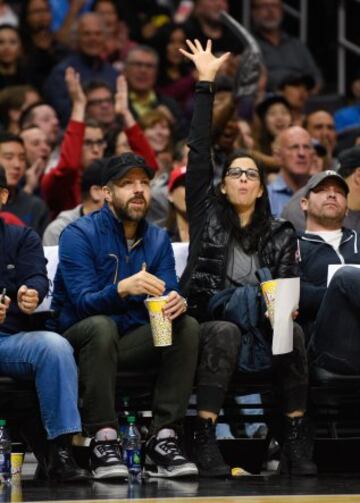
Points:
[93,258]
[22,262]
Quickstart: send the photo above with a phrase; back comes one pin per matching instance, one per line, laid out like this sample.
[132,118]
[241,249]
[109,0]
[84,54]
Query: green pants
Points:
[101,351]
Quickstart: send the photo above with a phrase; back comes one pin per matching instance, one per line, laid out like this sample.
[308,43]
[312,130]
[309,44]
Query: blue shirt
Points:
[347,117]
[279,195]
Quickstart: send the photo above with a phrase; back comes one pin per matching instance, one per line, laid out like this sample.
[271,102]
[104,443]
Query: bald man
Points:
[294,152]
[86,61]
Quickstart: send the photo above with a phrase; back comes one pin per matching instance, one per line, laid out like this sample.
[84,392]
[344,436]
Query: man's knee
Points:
[51,343]
[101,333]
[345,279]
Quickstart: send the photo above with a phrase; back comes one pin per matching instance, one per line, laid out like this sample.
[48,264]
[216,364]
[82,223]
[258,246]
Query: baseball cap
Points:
[298,79]
[3,182]
[317,179]
[117,166]
[348,160]
[176,176]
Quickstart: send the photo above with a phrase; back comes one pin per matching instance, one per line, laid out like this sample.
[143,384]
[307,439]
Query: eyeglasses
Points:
[94,143]
[251,173]
[100,101]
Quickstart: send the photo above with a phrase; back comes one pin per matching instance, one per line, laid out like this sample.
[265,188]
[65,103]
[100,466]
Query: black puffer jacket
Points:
[209,240]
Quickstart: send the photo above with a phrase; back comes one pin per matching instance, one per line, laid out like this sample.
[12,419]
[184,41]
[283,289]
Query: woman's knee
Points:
[220,333]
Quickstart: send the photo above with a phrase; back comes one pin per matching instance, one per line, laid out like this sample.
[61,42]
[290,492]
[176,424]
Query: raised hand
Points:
[122,103]
[33,174]
[204,60]
[72,79]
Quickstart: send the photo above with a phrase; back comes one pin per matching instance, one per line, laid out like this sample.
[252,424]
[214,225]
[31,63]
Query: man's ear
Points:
[304,203]
[107,192]
[222,189]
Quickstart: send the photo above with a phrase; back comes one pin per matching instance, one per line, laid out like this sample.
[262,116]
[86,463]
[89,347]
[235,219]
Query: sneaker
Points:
[207,454]
[165,458]
[106,460]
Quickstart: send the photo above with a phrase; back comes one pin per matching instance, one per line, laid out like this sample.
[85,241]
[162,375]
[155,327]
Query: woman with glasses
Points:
[232,235]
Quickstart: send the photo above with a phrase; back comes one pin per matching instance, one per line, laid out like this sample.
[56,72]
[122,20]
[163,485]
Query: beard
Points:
[128,212]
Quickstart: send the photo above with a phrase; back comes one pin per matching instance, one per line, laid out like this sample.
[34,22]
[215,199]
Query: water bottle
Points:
[5,453]
[132,448]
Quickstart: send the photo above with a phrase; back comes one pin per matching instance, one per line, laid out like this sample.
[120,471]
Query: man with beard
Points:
[109,261]
[330,312]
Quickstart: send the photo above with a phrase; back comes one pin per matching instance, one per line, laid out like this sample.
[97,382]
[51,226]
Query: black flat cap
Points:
[117,166]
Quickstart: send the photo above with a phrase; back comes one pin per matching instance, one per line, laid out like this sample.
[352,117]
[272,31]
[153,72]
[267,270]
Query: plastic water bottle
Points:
[132,448]
[5,453]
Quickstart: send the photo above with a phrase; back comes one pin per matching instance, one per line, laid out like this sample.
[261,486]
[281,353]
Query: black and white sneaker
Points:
[165,458]
[106,460]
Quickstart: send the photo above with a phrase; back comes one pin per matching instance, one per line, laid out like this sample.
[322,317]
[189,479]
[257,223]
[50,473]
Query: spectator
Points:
[41,49]
[37,153]
[92,199]
[44,116]
[235,217]
[292,210]
[349,116]
[204,23]
[86,61]
[177,224]
[158,131]
[83,143]
[333,310]
[13,100]
[29,208]
[293,152]
[100,103]
[104,317]
[11,69]
[117,41]
[175,78]
[275,116]
[44,356]
[321,126]
[281,53]
[141,73]
[296,89]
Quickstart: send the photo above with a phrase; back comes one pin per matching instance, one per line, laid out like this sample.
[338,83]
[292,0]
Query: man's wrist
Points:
[121,289]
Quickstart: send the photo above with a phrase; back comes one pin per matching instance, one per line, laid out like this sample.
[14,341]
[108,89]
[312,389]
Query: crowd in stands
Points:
[124,128]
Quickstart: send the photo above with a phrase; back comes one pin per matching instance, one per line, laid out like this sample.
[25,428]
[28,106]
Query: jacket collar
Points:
[347,235]
[111,222]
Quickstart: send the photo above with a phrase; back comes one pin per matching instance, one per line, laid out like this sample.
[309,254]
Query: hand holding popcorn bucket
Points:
[161,326]
[268,289]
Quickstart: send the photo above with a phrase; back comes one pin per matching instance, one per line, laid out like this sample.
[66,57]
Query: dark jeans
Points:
[219,352]
[100,351]
[335,343]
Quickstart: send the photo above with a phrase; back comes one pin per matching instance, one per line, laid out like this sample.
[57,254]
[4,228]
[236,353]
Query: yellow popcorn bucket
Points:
[161,327]
[268,289]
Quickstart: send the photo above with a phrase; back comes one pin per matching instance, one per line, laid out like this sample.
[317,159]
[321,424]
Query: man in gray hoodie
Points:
[92,199]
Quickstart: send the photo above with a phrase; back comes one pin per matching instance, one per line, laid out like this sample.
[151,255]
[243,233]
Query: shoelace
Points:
[111,450]
[169,446]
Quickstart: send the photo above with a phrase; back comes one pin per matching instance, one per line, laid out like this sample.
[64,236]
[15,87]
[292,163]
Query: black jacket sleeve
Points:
[199,175]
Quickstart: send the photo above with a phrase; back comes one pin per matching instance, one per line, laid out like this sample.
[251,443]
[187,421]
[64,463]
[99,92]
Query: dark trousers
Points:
[100,351]
[219,352]
[335,343]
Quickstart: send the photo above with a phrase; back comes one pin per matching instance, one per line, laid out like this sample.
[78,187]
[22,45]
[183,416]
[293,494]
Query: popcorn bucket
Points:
[161,327]
[268,289]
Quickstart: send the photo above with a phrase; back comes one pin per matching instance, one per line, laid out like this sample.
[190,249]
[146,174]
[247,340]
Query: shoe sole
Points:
[187,470]
[116,472]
